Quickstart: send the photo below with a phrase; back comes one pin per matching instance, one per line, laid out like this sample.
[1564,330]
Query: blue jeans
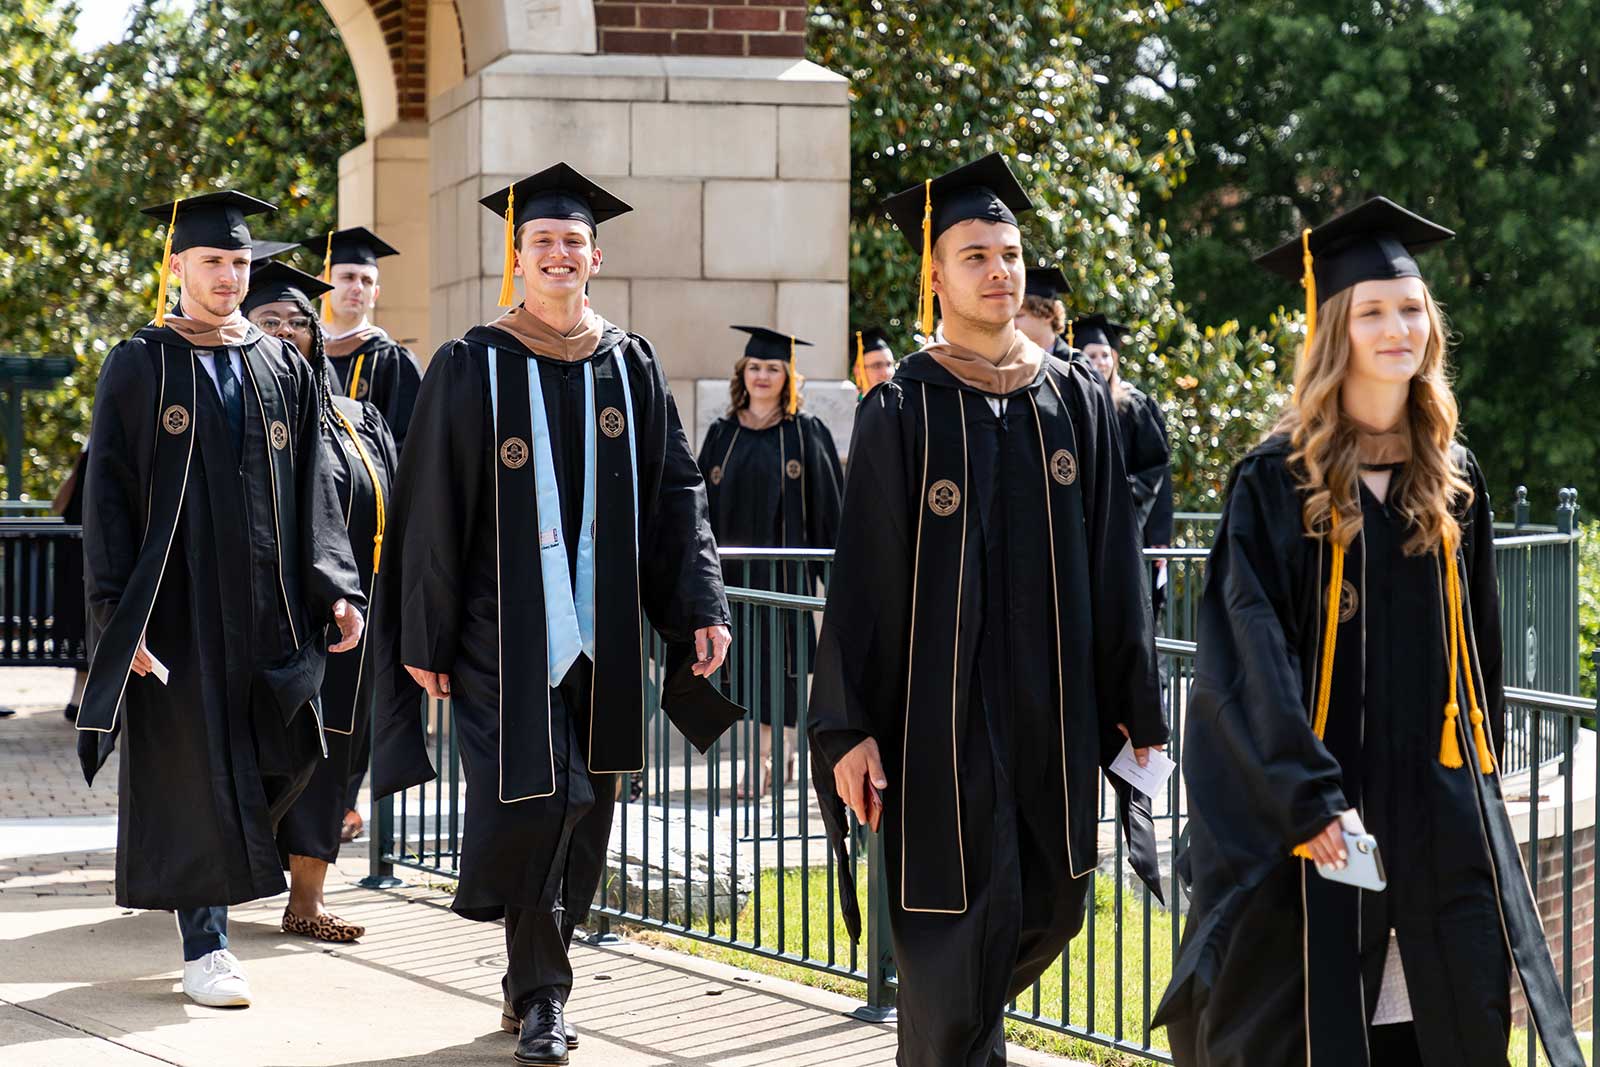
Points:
[203,930]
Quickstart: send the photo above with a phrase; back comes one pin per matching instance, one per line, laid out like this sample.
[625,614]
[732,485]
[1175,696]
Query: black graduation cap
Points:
[1048,282]
[210,220]
[983,189]
[1373,241]
[266,251]
[770,344]
[873,338]
[354,245]
[1096,329]
[869,340]
[272,282]
[557,192]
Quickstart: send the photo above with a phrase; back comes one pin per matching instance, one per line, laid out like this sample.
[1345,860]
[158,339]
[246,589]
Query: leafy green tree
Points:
[257,95]
[937,85]
[1485,117]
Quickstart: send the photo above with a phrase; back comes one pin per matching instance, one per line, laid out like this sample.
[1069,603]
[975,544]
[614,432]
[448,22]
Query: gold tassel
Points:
[1450,743]
[355,377]
[377,489]
[166,260]
[1461,648]
[925,295]
[327,277]
[859,371]
[1069,335]
[1330,639]
[794,388]
[508,285]
[1310,282]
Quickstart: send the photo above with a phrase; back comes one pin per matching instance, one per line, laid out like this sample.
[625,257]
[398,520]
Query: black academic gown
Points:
[987,625]
[465,540]
[230,565]
[67,607]
[1277,964]
[390,377]
[780,487]
[313,824]
[1149,458]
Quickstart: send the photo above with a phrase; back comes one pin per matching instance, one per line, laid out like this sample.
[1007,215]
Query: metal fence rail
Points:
[35,562]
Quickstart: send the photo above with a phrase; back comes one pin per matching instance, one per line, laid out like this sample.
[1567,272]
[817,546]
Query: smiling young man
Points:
[370,364]
[986,647]
[550,498]
[215,561]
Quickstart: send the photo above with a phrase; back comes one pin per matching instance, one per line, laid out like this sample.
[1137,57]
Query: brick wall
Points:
[405,31]
[699,28]
[1547,889]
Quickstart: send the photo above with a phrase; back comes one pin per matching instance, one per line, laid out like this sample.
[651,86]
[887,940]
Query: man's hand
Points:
[710,649]
[859,780]
[1141,754]
[437,685]
[142,663]
[350,626]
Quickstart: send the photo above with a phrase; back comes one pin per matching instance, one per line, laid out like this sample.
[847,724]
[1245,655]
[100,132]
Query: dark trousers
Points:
[204,930]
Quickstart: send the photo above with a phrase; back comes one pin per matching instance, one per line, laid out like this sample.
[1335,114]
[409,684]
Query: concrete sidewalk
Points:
[85,982]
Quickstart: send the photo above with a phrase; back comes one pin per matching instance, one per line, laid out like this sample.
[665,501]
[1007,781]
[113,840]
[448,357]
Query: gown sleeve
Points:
[401,401]
[1151,468]
[1256,773]
[436,501]
[113,510]
[1477,541]
[826,487]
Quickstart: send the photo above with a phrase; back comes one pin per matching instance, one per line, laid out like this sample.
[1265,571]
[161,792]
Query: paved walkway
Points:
[85,982]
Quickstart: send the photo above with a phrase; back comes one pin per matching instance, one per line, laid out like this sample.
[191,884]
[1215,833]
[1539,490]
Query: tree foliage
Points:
[257,95]
[933,86]
[1485,117]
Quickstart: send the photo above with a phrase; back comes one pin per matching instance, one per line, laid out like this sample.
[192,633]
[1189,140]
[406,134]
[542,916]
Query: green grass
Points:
[1519,1049]
[814,883]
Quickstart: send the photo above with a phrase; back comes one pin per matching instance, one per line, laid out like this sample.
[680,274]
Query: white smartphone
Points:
[1364,867]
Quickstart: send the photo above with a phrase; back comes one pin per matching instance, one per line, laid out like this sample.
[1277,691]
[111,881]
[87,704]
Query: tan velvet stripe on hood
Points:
[231,334]
[1015,370]
[541,337]
[351,341]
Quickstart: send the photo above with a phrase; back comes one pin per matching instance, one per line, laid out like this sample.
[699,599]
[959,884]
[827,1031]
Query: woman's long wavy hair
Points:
[740,395]
[1325,442]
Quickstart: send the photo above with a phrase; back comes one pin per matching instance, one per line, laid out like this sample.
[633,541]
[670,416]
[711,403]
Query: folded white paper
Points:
[1149,779]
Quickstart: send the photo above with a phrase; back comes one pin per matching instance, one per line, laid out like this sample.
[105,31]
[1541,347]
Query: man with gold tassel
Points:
[215,561]
[873,361]
[549,505]
[371,365]
[987,647]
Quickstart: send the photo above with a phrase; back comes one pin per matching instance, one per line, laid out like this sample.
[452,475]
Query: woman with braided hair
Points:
[1348,683]
[362,458]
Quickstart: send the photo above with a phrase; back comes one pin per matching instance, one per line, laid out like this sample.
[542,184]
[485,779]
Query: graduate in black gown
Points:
[214,551]
[986,648]
[371,365]
[1043,317]
[1349,674]
[362,461]
[1145,449]
[773,480]
[873,361]
[549,503]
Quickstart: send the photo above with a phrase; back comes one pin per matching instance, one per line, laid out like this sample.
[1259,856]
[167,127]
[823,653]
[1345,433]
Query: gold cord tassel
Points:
[377,489]
[925,294]
[355,377]
[1461,655]
[1310,282]
[1330,638]
[327,277]
[508,285]
[1069,335]
[166,260]
[859,371]
[794,387]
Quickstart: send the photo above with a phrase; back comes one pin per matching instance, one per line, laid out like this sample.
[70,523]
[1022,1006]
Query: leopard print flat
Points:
[322,928]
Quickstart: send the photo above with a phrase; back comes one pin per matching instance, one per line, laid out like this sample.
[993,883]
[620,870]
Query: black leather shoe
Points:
[511,1024]
[543,1040]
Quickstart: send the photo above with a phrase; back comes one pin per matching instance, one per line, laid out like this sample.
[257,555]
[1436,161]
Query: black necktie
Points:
[232,398]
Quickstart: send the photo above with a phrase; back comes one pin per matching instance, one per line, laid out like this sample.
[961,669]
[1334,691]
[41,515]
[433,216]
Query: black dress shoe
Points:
[543,1040]
[511,1024]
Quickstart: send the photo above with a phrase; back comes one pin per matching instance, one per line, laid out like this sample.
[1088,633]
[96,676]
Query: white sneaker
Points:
[216,981]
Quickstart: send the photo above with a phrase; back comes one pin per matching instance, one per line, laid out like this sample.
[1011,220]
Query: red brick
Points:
[708,44]
[637,42]
[747,18]
[674,18]
[787,44]
[611,15]
[795,21]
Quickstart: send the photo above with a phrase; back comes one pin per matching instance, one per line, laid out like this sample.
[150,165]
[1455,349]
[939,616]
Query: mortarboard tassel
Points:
[1450,745]
[1310,283]
[925,294]
[1069,335]
[166,259]
[794,388]
[1330,636]
[508,285]
[859,371]
[327,277]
